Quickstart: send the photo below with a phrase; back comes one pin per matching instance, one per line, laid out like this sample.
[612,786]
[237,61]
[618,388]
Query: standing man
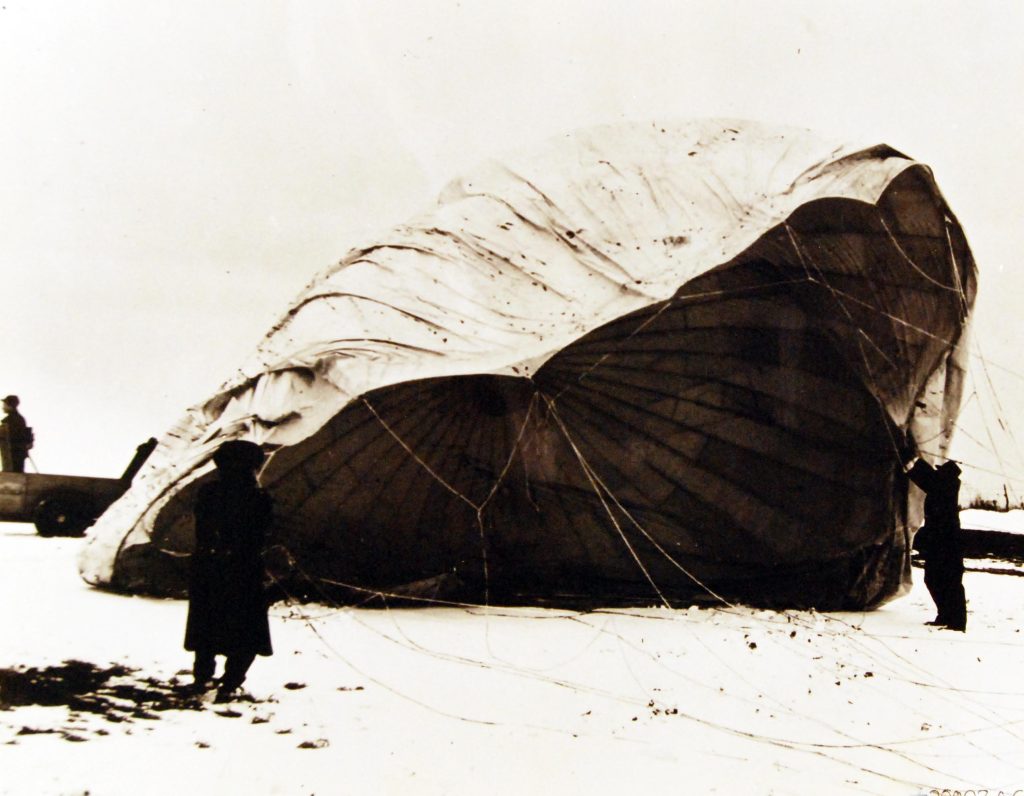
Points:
[227,609]
[939,541]
[15,437]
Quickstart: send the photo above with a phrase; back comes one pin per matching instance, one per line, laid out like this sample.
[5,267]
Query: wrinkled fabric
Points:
[640,361]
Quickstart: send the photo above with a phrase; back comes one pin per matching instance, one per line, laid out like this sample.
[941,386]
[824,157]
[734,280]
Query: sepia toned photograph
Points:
[487,397]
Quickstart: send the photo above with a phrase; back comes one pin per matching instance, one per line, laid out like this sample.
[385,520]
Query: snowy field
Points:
[471,700]
[1005,521]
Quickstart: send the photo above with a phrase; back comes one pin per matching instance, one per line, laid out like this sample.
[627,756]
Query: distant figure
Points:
[15,437]
[227,612]
[939,542]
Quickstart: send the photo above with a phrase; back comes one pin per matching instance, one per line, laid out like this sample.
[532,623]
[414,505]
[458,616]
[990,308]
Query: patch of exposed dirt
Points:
[114,692]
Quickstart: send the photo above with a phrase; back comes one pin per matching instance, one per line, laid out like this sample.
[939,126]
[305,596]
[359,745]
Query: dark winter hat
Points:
[12,400]
[238,454]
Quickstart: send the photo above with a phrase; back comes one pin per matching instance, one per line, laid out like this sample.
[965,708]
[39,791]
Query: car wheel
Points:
[63,514]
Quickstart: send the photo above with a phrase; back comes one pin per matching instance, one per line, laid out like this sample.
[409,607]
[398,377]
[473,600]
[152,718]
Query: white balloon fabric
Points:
[644,362]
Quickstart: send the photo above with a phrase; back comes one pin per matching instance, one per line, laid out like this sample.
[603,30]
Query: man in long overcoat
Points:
[227,612]
[15,437]
[939,541]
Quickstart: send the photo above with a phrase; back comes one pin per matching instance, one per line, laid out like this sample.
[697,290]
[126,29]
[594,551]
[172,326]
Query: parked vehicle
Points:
[64,505]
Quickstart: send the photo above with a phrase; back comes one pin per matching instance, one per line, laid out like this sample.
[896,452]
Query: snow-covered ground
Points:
[1006,521]
[470,700]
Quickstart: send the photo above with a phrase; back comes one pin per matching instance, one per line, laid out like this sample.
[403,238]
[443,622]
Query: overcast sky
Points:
[171,174]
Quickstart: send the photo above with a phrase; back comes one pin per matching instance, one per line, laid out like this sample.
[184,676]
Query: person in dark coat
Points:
[939,541]
[15,437]
[227,611]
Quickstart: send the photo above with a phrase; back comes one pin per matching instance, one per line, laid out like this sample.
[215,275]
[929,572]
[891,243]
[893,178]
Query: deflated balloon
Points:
[640,364]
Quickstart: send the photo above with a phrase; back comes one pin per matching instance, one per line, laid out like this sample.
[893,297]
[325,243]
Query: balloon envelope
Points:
[642,363]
